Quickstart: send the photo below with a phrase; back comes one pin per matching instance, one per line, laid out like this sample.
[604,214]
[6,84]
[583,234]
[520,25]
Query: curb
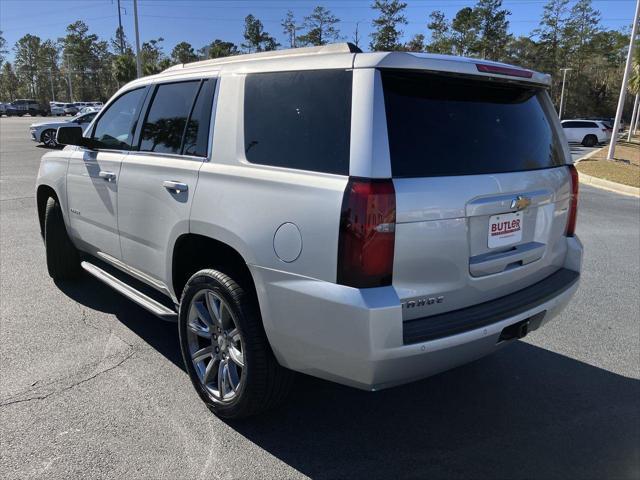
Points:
[587,156]
[605,184]
[609,185]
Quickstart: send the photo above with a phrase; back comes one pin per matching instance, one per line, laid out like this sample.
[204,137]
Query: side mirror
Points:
[71,136]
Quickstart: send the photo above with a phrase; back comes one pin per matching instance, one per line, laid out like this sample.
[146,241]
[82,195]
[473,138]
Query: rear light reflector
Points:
[512,72]
[367,233]
[573,205]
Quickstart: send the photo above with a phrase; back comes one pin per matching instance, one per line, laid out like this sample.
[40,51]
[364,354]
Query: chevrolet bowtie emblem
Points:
[520,203]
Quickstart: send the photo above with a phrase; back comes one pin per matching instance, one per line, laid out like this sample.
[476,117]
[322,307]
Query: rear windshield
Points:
[441,125]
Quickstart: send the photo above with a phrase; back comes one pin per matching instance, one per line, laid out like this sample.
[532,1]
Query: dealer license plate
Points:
[505,229]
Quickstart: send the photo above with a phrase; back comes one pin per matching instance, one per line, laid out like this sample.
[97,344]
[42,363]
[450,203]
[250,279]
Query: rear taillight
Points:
[367,233]
[573,205]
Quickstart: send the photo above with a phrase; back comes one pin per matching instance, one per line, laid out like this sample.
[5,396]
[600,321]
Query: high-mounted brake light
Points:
[367,233]
[573,205]
[512,72]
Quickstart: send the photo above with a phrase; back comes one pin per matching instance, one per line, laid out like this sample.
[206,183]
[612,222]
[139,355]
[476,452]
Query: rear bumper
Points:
[357,337]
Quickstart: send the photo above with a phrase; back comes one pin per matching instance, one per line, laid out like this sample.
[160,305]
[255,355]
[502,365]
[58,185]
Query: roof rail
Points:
[346,47]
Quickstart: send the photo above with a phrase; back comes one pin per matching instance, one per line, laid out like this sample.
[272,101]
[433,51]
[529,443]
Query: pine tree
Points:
[493,29]
[183,53]
[416,44]
[465,27]
[549,33]
[257,40]
[440,36]
[3,50]
[386,36]
[290,29]
[321,28]
[218,48]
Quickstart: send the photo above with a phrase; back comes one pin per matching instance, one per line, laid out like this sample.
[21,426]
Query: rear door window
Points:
[164,126]
[299,120]
[443,125]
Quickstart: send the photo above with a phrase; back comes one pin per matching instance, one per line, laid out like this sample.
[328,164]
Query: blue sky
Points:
[200,21]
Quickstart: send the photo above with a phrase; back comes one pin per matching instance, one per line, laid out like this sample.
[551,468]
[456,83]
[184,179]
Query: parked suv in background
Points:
[21,107]
[319,210]
[587,132]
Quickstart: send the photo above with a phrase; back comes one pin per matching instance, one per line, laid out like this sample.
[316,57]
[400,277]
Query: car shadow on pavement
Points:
[159,334]
[524,412]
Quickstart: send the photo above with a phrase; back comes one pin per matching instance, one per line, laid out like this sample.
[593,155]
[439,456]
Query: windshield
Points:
[443,125]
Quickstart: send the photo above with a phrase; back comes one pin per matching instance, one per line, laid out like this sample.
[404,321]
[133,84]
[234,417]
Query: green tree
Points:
[27,50]
[493,29]
[256,39]
[464,32]
[3,49]
[550,32]
[523,51]
[89,63]
[152,57]
[119,43]
[290,29]
[124,68]
[386,36]
[416,44]
[321,28]
[634,80]
[218,48]
[439,27]
[183,53]
[579,50]
[580,28]
[9,83]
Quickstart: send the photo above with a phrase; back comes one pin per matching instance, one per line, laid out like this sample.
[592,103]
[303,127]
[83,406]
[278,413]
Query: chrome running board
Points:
[131,293]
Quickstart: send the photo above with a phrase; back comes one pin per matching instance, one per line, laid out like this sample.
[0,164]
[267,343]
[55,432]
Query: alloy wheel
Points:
[49,139]
[215,345]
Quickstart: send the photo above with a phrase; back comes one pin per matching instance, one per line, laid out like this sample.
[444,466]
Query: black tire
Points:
[48,137]
[264,383]
[63,260]
[590,141]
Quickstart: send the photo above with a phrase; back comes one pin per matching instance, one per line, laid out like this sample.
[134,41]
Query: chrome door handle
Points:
[176,187]
[108,176]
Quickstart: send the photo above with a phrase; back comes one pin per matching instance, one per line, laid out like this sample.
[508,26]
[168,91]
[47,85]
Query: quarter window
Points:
[299,120]
[164,127]
[114,129]
[196,136]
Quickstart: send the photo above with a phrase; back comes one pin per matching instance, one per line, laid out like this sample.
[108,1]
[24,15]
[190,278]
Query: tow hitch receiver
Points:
[522,328]
[515,331]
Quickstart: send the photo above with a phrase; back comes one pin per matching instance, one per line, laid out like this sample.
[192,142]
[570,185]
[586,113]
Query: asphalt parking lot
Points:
[92,386]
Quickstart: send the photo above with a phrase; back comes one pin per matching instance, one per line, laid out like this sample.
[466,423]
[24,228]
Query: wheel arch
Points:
[43,193]
[193,252]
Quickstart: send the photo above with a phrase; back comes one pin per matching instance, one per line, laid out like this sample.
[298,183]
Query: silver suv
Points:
[367,218]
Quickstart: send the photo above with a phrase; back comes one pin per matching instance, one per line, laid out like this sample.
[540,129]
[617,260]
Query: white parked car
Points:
[45,132]
[318,210]
[57,109]
[89,109]
[586,132]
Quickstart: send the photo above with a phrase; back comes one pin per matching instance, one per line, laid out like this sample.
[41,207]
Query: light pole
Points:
[564,78]
[625,80]
[138,59]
